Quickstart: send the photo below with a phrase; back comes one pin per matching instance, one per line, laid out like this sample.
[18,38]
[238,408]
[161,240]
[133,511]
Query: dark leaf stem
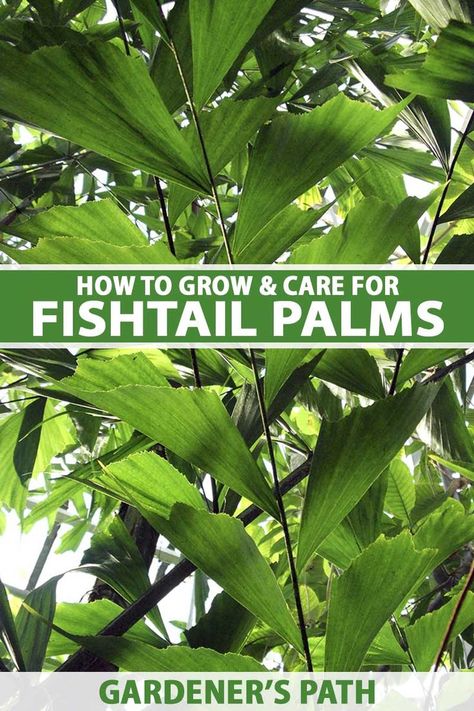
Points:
[442,372]
[261,401]
[199,133]
[196,371]
[198,384]
[434,225]
[282,512]
[455,614]
[444,194]
[17,211]
[192,351]
[43,556]
[166,220]
[170,238]
[398,364]
[437,375]
[122,27]
[164,212]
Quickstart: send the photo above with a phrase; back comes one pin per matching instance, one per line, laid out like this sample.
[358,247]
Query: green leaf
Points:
[279,234]
[393,567]
[385,649]
[276,57]
[447,69]
[28,441]
[130,480]
[226,130]
[49,362]
[417,360]
[85,251]
[407,160]
[328,404]
[341,546]
[246,414]
[160,358]
[97,233]
[428,497]
[427,118]
[7,146]
[86,427]
[216,543]
[430,120]
[295,152]
[463,468]
[281,11]
[219,545]
[371,232]
[224,627]
[151,12]
[131,369]
[65,488]
[32,633]
[220,29]
[359,529]
[89,619]
[350,454]
[56,437]
[99,221]
[19,440]
[400,498]
[133,656]
[29,434]
[447,529]
[439,12]
[8,631]
[229,127]
[446,429]
[462,208]
[353,369]
[115,559]
[280,363]
[99,86]
[163,70]
[424,637]
[194,423]
[459,250]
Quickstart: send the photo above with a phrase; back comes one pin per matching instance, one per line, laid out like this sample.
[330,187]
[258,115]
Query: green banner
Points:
[287,306]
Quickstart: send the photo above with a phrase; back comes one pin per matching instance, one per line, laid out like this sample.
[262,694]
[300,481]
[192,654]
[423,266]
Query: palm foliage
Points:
[327,493]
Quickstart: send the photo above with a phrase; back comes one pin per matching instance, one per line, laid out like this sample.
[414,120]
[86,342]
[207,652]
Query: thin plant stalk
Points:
[261,401]
[171,246]
[454,616]
[444,194]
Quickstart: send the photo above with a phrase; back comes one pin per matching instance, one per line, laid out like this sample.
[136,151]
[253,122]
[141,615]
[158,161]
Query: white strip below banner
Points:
[438,691]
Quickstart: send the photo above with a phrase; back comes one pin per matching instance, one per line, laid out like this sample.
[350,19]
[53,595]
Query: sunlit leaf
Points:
[220,29]
[98,86]
[196,427]
[216,543]
[426,634]
[397,567]
[350,454]
[447,68]
[294,152]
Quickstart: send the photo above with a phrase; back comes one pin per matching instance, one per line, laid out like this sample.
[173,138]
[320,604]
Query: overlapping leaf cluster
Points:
[256,131]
